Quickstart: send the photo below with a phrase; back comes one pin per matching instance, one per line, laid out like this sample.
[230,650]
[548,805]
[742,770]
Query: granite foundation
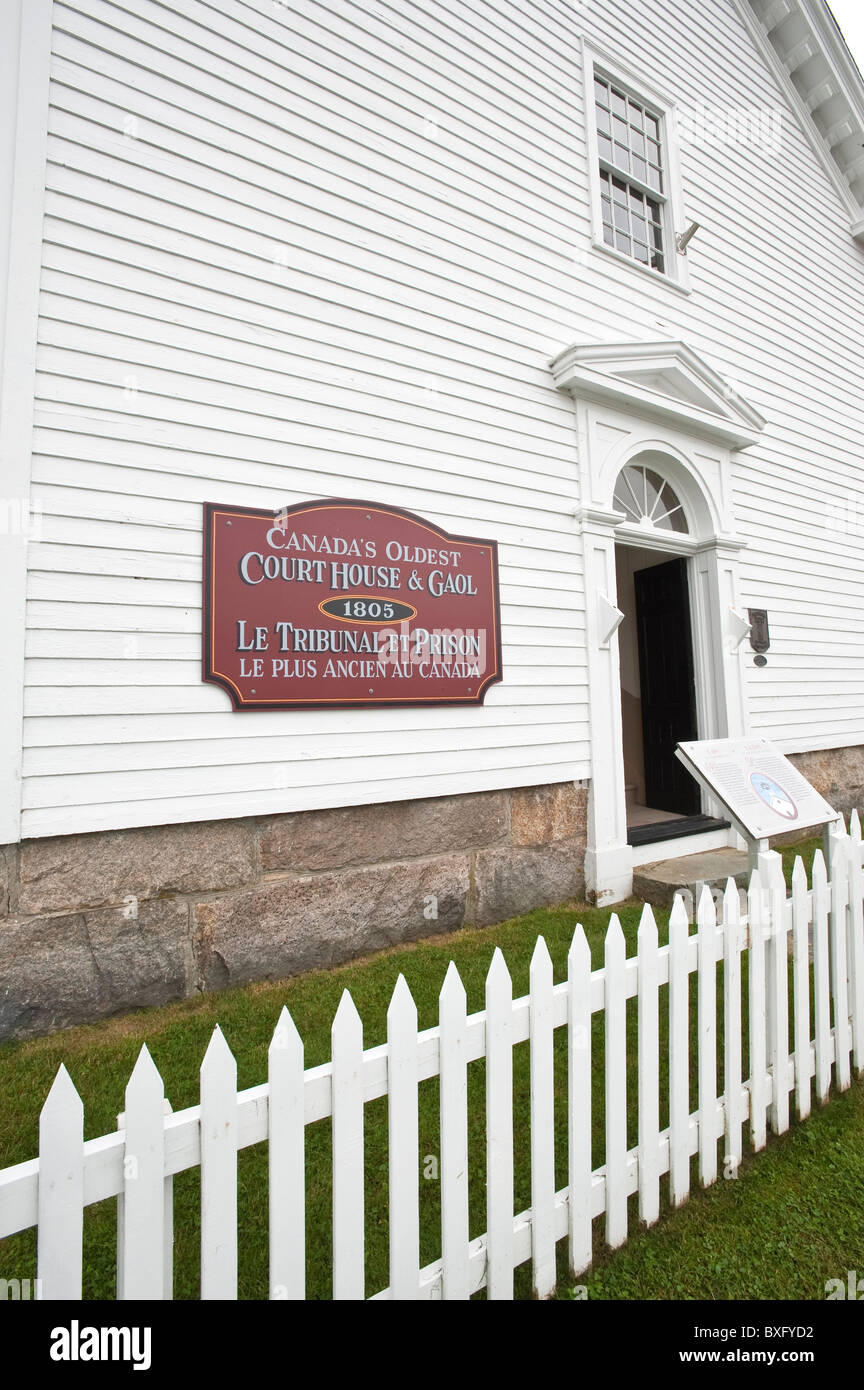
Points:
[837,774]
[97,924]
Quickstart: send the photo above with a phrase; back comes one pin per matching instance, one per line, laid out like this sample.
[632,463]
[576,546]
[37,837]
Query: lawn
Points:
[792,1219]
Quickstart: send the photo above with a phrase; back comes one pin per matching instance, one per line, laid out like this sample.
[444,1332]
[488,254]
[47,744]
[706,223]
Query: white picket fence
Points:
[136,1164]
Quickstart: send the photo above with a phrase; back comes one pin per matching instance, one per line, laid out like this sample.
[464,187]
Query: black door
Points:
[667,686]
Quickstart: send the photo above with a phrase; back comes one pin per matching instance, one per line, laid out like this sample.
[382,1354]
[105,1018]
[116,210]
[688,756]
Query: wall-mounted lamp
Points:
[684,238]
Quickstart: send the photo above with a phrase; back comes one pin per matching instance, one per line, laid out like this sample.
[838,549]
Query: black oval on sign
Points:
[367,608]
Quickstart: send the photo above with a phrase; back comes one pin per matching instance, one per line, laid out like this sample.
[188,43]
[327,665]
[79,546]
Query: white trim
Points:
[615,428]
[597,372]
[677,272]
[654,538]
[657,276]
[822,29]
[24,110]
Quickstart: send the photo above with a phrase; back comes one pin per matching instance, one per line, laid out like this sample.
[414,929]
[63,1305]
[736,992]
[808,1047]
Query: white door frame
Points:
[721,710]
[686,423]
[716,632]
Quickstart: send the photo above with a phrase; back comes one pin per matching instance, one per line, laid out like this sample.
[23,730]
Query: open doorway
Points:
[658,694]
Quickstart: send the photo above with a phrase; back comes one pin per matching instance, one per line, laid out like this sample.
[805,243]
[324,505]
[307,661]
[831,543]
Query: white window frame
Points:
[676,272]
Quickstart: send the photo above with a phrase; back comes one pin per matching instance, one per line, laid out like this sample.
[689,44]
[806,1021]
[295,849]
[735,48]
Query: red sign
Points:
[334,603]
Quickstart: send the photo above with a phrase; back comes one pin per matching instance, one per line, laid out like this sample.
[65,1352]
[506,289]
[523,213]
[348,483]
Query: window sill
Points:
[656,276]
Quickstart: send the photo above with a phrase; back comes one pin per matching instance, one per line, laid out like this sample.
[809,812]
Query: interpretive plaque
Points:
[764,792]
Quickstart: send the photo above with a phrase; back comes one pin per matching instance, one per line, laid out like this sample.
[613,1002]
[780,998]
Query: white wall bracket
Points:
[609,619]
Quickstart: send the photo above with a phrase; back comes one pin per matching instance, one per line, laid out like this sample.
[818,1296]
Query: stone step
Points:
[659,882]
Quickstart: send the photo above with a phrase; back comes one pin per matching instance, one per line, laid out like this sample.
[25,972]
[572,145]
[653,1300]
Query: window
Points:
[634,172]
[646,499]
[631,170]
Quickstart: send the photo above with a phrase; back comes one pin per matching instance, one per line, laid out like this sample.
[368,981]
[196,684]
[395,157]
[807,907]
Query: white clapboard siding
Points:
[165,810]
[362,299]
[136,1164]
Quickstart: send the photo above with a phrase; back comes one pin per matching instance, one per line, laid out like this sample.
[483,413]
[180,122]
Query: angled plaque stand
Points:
[763,792]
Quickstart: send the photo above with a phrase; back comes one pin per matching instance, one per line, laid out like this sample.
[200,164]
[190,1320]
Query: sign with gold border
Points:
[344,604]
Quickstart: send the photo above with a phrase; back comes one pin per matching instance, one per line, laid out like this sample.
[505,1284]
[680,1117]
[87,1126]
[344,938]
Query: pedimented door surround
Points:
[658,405]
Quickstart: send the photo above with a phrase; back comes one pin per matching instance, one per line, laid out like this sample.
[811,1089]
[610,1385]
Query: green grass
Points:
[792,1220]
[800,1221]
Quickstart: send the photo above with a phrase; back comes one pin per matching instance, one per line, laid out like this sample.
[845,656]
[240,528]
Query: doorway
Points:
[658,692]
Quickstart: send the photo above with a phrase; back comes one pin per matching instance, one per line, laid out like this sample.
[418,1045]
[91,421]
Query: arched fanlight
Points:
[646,499]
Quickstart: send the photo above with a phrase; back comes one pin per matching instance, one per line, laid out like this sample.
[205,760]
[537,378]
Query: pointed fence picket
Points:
[707,1026]
[349,1277]
[402,1122]
[286,1161]
[61,1190]
[136,1164]
[167,1291]
[453,1101]
[824,1044]
[499,1130]
[616,1086]
[218,1170]
[142,1237]
[778,1006]
[679,1054]
[579,1111]
[542,1122]
[648,1033]
[837,929]
[757,913]
[734,1109]
[856,942]
[801,989]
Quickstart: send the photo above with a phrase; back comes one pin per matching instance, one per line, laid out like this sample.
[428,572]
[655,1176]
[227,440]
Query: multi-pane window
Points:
[632,176]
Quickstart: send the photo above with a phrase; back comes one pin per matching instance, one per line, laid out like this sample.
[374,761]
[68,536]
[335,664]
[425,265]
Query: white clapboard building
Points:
[582,279]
